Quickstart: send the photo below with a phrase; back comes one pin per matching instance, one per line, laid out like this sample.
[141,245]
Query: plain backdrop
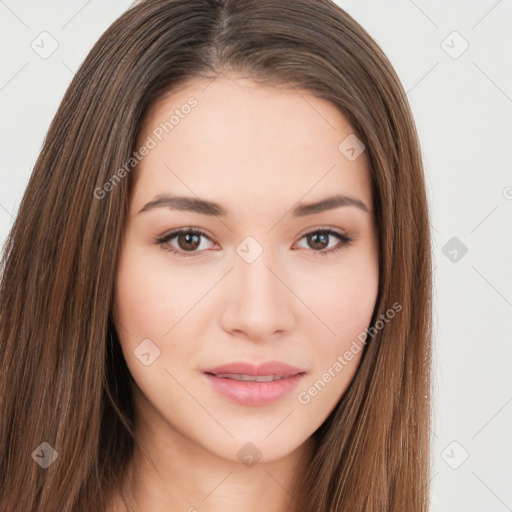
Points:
[454,59]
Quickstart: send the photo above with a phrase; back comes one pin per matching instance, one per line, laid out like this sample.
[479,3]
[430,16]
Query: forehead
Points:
[230,138]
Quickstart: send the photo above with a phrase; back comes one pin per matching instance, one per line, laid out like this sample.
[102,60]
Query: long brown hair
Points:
[63,379]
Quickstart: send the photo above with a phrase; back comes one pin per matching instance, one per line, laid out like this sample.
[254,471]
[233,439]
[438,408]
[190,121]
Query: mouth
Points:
[252,378]
[246,384]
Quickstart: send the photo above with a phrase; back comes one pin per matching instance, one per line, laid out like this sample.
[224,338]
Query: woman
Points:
[217,291]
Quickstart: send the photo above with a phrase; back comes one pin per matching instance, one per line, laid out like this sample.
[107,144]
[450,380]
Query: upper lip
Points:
[245,368]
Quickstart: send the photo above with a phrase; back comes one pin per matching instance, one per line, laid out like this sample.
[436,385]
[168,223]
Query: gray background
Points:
[462,101]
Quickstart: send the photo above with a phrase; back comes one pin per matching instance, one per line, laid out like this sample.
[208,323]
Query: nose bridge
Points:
[254,274]
[258,303]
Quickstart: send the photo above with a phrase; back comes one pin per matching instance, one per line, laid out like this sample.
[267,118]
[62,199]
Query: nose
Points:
[259,305]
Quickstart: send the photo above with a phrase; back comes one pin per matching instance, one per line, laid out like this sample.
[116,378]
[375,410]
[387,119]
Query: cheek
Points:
[151,297]
[345,304]
[344,299]
[352,306]
[155,302]
[141,319]
[143,313]
[137,302]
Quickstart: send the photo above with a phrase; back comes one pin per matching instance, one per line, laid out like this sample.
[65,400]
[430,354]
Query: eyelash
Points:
[344,240]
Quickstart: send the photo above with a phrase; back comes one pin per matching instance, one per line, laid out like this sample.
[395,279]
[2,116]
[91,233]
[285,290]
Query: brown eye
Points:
[188,241]
[318,240]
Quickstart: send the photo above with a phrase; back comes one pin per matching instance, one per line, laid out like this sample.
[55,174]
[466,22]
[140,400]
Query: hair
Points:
[63,378]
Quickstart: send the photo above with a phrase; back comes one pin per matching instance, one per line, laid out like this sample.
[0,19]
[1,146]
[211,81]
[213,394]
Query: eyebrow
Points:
[205,207]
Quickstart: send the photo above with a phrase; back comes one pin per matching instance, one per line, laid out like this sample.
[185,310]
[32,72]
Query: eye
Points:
[188,239]
[319,239]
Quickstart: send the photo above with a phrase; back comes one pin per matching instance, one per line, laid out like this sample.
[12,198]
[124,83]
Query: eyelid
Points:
[338,231]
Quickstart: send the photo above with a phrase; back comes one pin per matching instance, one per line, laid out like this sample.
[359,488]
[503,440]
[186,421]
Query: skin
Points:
[258,152]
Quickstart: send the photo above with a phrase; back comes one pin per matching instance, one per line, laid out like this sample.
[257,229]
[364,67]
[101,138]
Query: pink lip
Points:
[267,368]
[254,393]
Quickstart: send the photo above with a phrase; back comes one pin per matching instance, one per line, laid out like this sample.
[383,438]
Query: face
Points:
[257,277]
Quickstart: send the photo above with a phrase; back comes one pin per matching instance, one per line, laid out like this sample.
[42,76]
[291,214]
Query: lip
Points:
[254,393]
[266,368]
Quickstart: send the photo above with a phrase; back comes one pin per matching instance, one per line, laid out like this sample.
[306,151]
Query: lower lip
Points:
[254,393]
